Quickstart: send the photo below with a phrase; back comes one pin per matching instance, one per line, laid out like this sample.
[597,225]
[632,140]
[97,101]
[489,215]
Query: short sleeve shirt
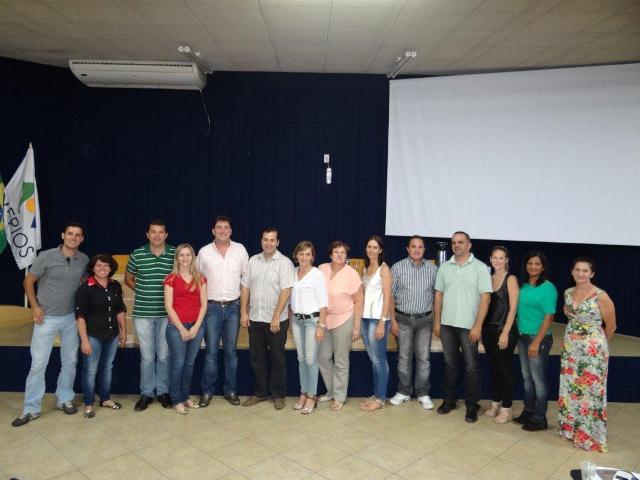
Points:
[186,300]
[462,287]
[58,279]
[100,306]
[533,304]
[341,287]
[309,294]
[266,278]
[150,271]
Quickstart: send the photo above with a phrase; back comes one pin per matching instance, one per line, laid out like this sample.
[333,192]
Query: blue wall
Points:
[114,159]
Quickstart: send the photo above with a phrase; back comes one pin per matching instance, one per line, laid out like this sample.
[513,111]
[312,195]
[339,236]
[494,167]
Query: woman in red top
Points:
[185,298]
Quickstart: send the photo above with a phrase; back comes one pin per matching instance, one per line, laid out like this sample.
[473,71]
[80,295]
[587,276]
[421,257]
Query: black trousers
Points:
[501,363]
[456,346]
[268,359]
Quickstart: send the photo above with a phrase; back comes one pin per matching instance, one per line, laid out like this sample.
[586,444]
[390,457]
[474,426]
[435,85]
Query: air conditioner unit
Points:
[130,74]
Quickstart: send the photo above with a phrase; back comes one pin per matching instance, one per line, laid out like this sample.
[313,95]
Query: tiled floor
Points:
[259,442]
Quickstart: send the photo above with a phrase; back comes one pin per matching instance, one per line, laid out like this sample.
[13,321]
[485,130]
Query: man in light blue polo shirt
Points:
[463,288]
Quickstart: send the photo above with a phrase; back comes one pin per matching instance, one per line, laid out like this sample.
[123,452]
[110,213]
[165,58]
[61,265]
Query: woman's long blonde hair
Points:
[197,276]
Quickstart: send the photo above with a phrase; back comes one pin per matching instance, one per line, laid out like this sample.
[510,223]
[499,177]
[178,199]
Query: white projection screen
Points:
[546,155]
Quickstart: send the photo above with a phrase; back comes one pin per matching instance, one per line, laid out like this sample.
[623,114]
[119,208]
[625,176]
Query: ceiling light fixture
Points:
[196,57]
[401,62]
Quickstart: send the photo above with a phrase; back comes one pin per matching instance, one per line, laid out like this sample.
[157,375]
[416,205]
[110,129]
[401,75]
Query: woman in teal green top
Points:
[536,308]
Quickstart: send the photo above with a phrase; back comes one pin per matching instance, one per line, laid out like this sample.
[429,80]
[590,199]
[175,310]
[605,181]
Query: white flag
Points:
[22,212]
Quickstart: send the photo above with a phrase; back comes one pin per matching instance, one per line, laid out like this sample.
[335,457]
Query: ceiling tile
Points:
[218,13]
[450,52]
[452,5]
[482,21]
[518,5]
[33,9]
[90,12]
[564,22]
[299,49]
[238,33]
[609,55]
[534,39]
[619,23]
[418,19]
[411,38]
[594,6]
[155,14]
[254,50]
[378,19]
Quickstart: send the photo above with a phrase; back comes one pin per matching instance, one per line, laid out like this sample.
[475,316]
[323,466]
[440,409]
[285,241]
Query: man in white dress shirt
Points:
[223,263]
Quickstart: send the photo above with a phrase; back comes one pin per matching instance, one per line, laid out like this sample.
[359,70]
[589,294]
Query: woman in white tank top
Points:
[375,319]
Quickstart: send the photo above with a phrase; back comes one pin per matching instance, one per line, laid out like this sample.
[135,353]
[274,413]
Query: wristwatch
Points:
[384,319]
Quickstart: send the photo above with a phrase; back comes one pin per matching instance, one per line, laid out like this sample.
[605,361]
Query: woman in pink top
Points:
[346,299]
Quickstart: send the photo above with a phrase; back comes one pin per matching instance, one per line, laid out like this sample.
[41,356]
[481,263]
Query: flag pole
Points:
[26,270]
[26,300]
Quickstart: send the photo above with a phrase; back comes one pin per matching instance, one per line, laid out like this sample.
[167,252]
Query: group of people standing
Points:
[181,298]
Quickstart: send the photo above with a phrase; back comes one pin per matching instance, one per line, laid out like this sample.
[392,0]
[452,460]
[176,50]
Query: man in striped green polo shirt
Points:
[146,270]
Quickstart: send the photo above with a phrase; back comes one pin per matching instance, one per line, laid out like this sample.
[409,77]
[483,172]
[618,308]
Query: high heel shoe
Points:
[301,401]
[307,409]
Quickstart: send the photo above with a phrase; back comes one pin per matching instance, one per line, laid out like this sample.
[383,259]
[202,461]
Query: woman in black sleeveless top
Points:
[499,335]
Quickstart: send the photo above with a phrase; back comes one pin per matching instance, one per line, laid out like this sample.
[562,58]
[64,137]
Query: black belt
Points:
[414,315]
[306,317]
[222,304]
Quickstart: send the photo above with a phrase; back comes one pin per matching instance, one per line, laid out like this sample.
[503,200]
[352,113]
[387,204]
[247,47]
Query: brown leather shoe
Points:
[232,398]
[253,400]
[278,403]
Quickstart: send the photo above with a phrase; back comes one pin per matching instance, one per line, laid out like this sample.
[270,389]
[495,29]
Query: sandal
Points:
[181,409]
[324,398]
[111,404]
[301,401]
[336,405]
[309,405]
[373,405]
[89,412]
[190,404]
[366,401]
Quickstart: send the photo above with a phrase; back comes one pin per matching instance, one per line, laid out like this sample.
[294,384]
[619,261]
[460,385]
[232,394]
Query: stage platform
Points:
[16,326]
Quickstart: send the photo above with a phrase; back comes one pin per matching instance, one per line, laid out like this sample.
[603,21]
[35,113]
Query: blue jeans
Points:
[41,345]
[534,375]
[304,334]
[414,336]
[154,355]
[221,322]
[98,363]
[456,344]
[377,351]
[182,356]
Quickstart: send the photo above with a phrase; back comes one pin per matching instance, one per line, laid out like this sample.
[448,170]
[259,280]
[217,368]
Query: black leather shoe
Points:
[472,415]
[142,403]
[523,418]
[165,400]
[232,398]
[205,400]
[445,408]
[68,408]
[535,425]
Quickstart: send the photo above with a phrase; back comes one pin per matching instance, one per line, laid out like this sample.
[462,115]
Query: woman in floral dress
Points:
[582,415]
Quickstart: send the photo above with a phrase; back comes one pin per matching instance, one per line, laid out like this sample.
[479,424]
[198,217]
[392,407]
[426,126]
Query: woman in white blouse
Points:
[375,319]
[309,310]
